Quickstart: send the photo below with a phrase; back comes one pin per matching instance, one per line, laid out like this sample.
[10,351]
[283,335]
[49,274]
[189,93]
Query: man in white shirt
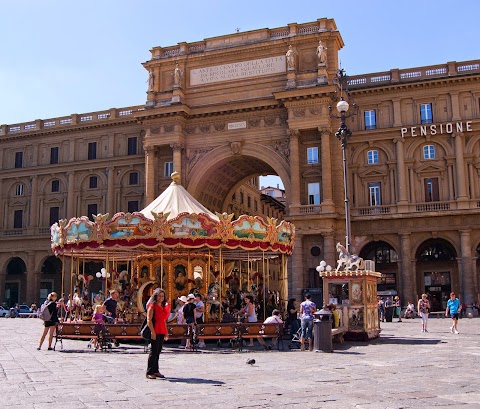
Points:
[199,314]
[274,319]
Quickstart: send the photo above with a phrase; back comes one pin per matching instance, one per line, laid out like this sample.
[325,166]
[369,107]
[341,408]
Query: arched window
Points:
[20,189]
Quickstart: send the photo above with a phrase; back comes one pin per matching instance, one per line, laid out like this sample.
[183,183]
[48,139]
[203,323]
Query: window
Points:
[132,206]
[53,155]
[55,186]
[312,155]
[132,146]
[270,193]
[18,159]
[375,194]
[92,209]
[432,193]
[54,215]
[429,152]
[426,116]
[241,198]
[370,120]
[255,206]
[372,157]
[93,182]
[168,169]
[92,150]
[18,219]
[133,178]
[249,202]
[20,189]
[313,193]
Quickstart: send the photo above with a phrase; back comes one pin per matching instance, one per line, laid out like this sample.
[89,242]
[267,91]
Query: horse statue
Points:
[348,262]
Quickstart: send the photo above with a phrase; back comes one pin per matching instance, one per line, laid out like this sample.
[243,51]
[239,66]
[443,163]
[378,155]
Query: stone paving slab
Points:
[404,368]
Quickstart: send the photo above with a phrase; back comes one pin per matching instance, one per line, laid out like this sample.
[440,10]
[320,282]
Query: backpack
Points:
[45,313]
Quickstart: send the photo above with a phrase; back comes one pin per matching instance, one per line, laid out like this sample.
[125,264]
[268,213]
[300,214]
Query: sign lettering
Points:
[435,129]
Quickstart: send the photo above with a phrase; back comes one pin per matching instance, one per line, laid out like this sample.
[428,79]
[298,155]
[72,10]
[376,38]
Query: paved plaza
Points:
[405,368]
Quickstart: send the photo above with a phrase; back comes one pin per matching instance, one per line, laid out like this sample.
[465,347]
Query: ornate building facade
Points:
[228,109]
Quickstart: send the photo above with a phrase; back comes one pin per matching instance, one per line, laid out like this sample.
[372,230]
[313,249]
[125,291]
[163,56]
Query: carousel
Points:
[179,245]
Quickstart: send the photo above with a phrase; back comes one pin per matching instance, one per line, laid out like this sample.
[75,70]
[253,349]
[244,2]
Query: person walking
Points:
[381,309]
[453,308]
[292,316]
[250,312]
[50,324]
[158,311]
[307,308]
[423,309]
[398,307]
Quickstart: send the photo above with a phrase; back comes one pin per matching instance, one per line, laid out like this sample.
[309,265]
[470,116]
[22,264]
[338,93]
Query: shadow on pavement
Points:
[195,381]
[406,341]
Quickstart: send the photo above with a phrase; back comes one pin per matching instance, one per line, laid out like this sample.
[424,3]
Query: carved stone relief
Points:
[236,147]
[219,126]
[194,155]
[169,128]
[155,129]
[282,147]
[253,122]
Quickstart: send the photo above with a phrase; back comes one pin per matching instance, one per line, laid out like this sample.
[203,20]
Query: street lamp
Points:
[103,274]
[343,134]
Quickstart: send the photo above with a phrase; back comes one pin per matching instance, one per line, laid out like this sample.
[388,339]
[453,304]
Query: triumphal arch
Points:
[232,108]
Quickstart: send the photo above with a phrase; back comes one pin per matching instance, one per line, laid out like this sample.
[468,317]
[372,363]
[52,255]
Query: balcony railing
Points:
[365,211]
[432,206]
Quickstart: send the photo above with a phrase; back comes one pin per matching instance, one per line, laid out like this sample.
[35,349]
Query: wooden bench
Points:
[260,330]
[337,334]
[222,331]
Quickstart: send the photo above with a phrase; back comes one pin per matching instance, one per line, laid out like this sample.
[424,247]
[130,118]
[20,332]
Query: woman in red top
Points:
[158,311]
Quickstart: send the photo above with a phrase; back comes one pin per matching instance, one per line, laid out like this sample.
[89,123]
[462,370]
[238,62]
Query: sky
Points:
[62,57]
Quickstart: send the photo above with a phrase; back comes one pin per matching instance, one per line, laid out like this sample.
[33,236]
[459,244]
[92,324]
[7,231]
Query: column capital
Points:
[293,133]
[149,150]
[177,146]
[398,140]
[324,130]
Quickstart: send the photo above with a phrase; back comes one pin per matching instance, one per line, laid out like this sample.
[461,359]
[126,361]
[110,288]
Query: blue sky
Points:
[62,57]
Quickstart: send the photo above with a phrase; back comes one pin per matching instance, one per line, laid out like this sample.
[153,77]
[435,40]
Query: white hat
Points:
[183,298]
[190,296]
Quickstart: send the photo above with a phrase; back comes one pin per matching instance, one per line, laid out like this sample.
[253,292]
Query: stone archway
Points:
[50,278]
[385,258]
[437,271]
[218,174]
[15,281]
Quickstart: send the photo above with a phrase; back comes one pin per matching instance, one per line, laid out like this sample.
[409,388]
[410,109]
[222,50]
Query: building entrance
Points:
[438,287]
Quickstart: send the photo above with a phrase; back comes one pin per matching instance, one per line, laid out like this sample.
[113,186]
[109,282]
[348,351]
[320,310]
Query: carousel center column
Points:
[294,135]
[149,174]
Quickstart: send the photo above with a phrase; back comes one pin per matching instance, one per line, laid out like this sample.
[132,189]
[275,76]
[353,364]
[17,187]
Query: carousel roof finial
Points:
[176,177]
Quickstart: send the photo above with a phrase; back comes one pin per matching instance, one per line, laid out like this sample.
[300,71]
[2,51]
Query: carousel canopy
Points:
[175,200]
[175,220]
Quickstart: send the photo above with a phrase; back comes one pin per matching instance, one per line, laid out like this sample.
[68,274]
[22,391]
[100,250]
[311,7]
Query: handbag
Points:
[145,330]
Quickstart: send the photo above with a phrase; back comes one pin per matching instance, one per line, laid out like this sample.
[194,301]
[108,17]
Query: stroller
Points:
[103,341]
[295,341]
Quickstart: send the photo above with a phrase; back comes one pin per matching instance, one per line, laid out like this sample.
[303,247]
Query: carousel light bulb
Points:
[98,274]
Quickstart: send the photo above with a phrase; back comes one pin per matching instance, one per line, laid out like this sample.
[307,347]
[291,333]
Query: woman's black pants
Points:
[155,349]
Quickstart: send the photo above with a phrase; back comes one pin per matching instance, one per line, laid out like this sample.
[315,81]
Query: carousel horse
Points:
[74,307]
[349,262]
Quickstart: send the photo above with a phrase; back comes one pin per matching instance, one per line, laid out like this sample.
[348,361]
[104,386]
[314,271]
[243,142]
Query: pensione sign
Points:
[437,129]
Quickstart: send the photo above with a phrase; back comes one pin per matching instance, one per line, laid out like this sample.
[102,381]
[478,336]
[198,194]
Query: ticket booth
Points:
[355,294]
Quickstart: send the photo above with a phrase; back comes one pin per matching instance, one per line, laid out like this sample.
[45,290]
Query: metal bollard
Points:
[322,327]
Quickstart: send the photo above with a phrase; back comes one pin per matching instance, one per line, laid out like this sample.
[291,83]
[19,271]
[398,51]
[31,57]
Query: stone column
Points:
[71,195]
[326,188]
[329,253]
[31,293]
[177,157]
[455,106]
[149,175]
[34,203]
[297,274]
[401,173]
[111,191]
[460,169]
[294,169]
[408,279]
[467,284]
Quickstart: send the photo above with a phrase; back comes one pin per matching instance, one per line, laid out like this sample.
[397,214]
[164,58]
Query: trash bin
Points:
[322,331]
[389,313]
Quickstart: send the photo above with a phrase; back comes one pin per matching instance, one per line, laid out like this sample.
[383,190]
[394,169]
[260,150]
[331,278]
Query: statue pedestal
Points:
[178,96]
[322,75]
[291,79]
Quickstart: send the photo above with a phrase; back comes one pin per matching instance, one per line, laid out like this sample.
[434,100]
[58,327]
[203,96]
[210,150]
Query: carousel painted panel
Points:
[193,226]
[285,233]
[79,230]
[250,228]
[128,226]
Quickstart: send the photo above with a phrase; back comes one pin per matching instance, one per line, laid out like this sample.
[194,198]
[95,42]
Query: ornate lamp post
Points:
[103,275]
[343,134]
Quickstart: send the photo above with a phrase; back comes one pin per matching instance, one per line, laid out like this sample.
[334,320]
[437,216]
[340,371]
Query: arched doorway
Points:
[15,282]
[437,271]
[51,278]
[385,258]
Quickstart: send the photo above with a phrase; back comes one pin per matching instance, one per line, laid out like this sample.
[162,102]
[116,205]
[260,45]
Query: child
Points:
[98,314]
